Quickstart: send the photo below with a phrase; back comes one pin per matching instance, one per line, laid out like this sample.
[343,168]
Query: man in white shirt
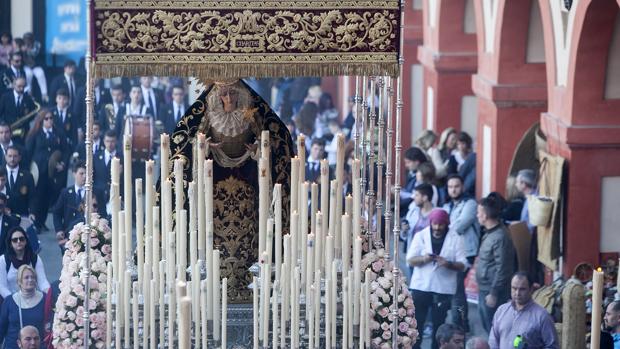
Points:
[150,97]
[5,140]
[313,165]
[170,114]
[437,255]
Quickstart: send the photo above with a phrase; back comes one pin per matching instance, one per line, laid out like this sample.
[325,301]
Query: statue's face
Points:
[229,95]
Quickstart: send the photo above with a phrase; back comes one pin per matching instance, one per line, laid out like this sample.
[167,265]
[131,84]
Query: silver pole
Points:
[89,170]
[397,150]
[380,162]
[370,190]
[358,112]
[388,166]
[363,153]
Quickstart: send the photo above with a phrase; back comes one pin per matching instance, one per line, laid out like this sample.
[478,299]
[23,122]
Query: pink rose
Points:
[385,326]
[403,327]
[383,312]
[387,335]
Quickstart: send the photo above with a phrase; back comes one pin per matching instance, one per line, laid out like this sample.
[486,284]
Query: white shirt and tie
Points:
[178,109]
[149,99]
[79,192]
[62,114]
[48,132]
[108,156]
[71,86]
[12,173]
[18,99]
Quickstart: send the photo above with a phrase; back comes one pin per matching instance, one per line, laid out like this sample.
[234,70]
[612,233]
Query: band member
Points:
[171,113]
[114,111]
[14,70]
[20,193]
[16,104]
[135,107]
[68,81]
[152,98]
[64,118]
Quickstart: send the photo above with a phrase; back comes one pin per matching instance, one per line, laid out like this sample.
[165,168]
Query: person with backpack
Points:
[18,253]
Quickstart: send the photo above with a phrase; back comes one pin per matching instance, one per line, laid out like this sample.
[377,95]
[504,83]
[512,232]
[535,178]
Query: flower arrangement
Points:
[68,328]
[381,316]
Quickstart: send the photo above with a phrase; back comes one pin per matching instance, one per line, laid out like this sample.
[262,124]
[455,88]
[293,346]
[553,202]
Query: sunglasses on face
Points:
[47,118]
[18,239]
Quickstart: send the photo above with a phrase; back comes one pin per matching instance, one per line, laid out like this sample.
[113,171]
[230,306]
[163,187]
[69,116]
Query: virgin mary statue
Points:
[232,116]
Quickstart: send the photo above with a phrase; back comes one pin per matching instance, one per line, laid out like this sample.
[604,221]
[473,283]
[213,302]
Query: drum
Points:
[141,130]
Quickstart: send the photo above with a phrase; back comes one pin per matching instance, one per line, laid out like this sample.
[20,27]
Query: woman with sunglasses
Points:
[26,307]
[46,145]
[19,253]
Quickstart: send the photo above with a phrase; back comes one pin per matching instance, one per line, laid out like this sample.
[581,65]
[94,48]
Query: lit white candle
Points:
[362,320]
[303,227]
[202,222]
[166,216]
[151,324]
[164,155]
[269,240]
[208,169]
[317,308]
[162,301]
[295,323]
[149,202]
[178,196]
[349,313]
[127,195]
[146,297]
[224,310]
[285,310]
[319,258]
[116,207]
[203,311]
[314,206]
[263,203]
[357,197]
[266,278]
[310,314]
[597,306]
[210,272]
[255,312]
[156,236]
[294,240]
[277,194]
[193,224]
[357,274]
[348,204]
[301,154]
[275,321]
[346,242]
[294,190]
[334,298]
[345,311]
[309,264]
[127,308]
[182,249]
[329,251]
[196,300]
[332,209]
[339,182]
[108,307]
[185,335]
[140,229]
[118,330]
[328,318]
[325,195]
[216,294]
[122,261]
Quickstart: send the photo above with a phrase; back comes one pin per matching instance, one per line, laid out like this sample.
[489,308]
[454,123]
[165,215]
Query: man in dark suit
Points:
[7,222]
[101,97]
[69,204]
[5,141]
[313,165]
[102,162]
[68,81]
[170,114]
[20,191]
[80,150]
[151,97]
[115,110]
[64,118]
[15,104]
[13,71]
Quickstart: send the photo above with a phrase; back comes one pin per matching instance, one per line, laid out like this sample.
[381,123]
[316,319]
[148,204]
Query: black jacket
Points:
[21,196]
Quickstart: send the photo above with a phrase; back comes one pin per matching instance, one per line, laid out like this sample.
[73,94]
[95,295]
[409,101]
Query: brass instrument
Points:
[7,81]
[17,124]
[109,113]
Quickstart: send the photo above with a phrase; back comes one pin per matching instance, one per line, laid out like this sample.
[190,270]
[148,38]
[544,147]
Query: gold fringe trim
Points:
[214,71]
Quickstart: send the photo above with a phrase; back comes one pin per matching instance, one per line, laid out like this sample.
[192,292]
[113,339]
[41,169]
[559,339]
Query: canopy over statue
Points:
[232,116]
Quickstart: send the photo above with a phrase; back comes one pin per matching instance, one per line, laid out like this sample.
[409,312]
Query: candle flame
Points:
[599,269]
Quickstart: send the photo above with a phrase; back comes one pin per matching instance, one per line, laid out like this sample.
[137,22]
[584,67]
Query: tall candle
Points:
[196,301]
[345,311]
[164,151]
[301,154]
[365,306]
[350,304]
[294,189]
[329,251]
[146,297]
[193,224]
[255,312]
[277,194]
[348,204]
[285,296]
[309,264]
[303,227]
[127,308]
[314,206]
[203,311]
[116,206]
[263,203]
[319,238]
[339,182]
[295,313]
[182,258]
[328,311]
[332,208]
[269,240]
[224,310]
[210,272]
[597,306]
[149,202]
[357,274]
[202,222]
[118,315]
[162,302]
[266,278]
[185,335]
[140,229]
[346,242]
[127,196]
[325,194]
[275,321]
[156,236]
[310,314]
[357,207]
[122,261]
[334,298]
[362,320]
[294,240]
[108,307]
[216,294]
[178,194]
[317,308]
[208,169]
[151,306]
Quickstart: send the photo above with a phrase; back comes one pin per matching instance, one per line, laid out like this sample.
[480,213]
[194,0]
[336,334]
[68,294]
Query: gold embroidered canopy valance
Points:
[232,39]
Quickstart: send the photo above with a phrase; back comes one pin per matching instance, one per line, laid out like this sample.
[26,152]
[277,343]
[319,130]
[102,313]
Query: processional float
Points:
[310,288]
